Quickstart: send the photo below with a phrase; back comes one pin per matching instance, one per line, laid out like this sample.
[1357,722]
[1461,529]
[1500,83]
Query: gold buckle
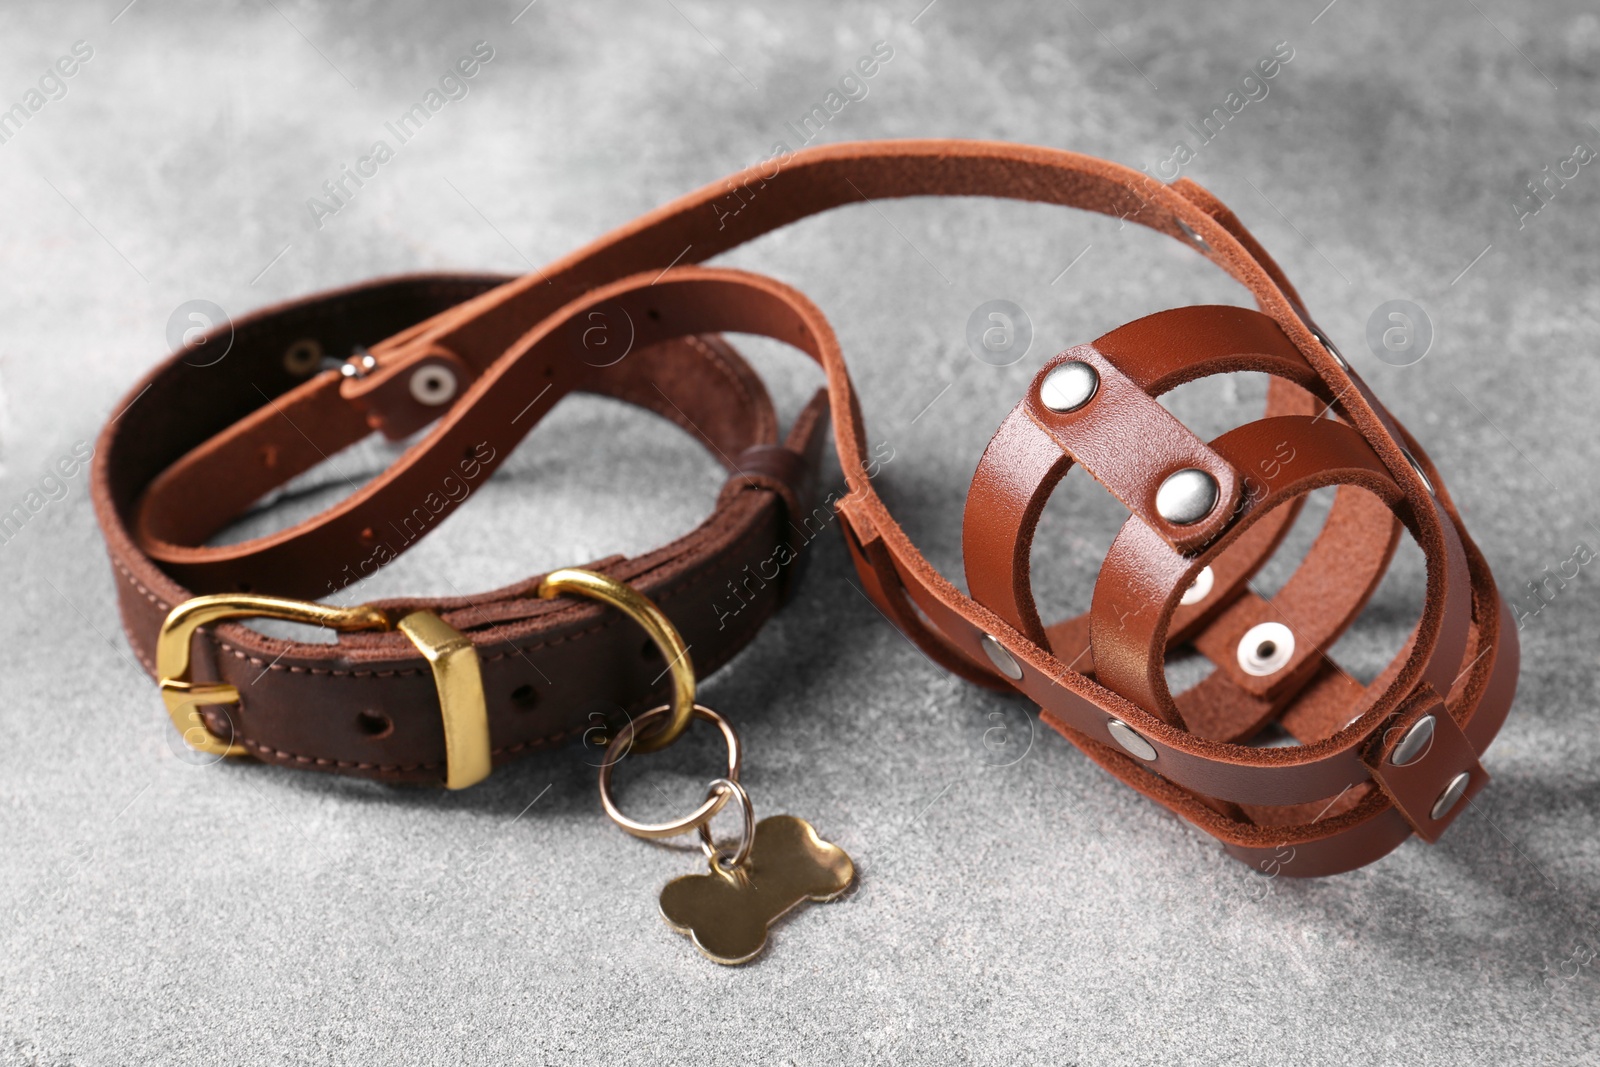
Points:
[449,653]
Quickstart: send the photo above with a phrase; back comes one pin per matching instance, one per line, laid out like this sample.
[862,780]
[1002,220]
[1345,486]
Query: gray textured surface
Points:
[1034,912]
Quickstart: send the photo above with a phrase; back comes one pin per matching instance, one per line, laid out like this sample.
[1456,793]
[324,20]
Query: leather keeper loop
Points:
[1418,787]
[775,468]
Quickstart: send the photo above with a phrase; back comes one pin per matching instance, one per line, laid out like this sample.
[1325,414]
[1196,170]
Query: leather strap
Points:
[202,443]
[1327,804]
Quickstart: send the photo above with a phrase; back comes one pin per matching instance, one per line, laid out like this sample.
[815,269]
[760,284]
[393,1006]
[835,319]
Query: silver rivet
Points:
[1266,648]
[1333,350]
[1003,661]
[1426,481]
[1414,745]
[1452,793]
[1194,237]
[360,364]
[1186,497]
[1069,386]
[433,385]
[1200,588]
[1130,739]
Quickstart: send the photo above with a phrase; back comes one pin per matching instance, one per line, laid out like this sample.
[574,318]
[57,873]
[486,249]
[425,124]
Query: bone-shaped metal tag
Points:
[727,912]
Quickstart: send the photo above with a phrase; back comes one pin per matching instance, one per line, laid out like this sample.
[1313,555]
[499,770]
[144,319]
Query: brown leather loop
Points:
[695,382]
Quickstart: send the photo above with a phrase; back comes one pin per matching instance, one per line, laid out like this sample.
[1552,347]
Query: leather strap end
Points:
[402,398]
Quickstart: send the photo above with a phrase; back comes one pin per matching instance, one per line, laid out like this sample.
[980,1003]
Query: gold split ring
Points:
[700,816]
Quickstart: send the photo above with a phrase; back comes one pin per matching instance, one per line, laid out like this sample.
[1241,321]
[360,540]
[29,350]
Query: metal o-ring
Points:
[642,610]
[700,816]
[747,811]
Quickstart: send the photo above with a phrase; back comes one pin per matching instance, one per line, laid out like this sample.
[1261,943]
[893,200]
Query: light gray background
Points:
[1035,911]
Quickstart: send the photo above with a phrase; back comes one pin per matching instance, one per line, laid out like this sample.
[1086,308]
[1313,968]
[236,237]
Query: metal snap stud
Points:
[1333,350]
[1426,481]
[1265,649]
[1194,237]
[1003,661]
[1186,497]
[1069,386]
[1198,589]
[1130,739]
[360,364]
[1451,795]
[433,385]
[1414,745]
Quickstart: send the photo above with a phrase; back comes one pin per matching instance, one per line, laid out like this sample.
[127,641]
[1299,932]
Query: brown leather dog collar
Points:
[198,444]
[1374,763]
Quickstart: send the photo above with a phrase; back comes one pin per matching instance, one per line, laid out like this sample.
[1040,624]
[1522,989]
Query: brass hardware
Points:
[449,653]
[460,684]
[643,611]
[185,698]
[778,863]
[727,912]
[700,816]
[740,854]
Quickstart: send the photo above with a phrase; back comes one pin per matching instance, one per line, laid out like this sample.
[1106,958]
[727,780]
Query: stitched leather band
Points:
[200,444]
[1334,801]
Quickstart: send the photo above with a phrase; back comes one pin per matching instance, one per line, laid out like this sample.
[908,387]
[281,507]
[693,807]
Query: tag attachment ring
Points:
[714,802]
[747,834]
